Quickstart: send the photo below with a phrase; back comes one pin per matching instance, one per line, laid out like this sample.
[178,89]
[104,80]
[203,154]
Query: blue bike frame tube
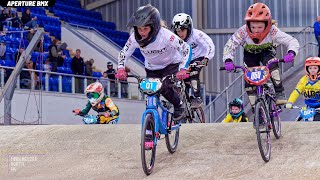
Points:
[164,120]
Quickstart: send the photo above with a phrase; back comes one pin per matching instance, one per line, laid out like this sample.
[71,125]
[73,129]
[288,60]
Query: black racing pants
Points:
[255,59]
[194,79]
[167,89]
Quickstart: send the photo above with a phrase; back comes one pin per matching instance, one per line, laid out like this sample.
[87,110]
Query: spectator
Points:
[55,56]
[47,66]
[316,26]
[89,71]
[29,38]
[27,21]
[77,66]
[3,50]
[25,77]
[124,85]
[111,75]
[18,54]
[16,22]
[5,19]
[104,82]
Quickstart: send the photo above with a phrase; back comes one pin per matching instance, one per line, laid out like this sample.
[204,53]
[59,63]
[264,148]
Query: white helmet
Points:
[182,21]
[95,93]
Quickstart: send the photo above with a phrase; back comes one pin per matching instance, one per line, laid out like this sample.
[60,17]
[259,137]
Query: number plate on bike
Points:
[307,114]
[150,86]
[257,75]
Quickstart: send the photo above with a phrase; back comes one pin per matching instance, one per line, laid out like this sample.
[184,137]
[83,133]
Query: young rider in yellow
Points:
[236,113]
[260,39]
[108,112]
[308,86]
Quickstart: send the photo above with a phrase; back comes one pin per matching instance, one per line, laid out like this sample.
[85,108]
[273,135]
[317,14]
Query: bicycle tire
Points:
[200,114]
[275,118]
[148,165]
[172,147]
[265,152]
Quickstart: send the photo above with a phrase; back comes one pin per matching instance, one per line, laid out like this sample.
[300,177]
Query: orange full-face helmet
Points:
[261,13]
[312,61]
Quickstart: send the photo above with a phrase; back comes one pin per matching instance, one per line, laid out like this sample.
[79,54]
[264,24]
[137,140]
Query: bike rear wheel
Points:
[148,150]
[263,133]
[198,115]
[172,138]
[275,119]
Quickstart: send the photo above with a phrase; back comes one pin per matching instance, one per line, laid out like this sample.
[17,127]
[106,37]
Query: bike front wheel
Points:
[172,138]
[148,147]
[275,119]
[262,130]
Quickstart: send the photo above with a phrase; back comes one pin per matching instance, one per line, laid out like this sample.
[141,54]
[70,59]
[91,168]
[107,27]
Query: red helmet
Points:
[312,61]
[258,12]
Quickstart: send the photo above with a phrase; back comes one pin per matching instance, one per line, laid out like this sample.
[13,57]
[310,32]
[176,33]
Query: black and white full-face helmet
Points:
[182,21]
[145,16]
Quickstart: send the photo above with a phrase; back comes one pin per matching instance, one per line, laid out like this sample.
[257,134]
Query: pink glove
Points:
[229,66]
[288,57]
[182,74]
[121,74]
[76,111]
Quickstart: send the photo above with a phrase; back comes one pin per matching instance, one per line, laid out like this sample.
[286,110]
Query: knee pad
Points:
[251,91]
[275,77]
[194,84]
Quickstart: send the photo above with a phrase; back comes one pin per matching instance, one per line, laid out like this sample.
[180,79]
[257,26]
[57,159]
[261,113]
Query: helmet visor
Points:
[93,95]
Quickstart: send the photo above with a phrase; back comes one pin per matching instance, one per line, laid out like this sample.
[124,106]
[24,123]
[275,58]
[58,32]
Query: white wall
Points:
[57,107]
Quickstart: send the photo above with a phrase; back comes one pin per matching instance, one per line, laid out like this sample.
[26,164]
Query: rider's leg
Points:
[107,120]
[195,81]
[170,94]
[168,88]
[251,60]
[275,76]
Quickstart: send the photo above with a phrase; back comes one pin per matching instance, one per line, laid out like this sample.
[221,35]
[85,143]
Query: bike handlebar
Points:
[270,62]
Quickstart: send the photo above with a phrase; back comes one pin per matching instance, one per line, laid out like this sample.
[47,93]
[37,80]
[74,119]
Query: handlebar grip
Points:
[281,60]
[222,69]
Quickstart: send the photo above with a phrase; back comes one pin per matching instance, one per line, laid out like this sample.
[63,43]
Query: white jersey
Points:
[274,38]
[166,49]
[202,45]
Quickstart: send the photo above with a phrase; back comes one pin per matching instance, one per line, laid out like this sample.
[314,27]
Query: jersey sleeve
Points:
[113,108]
[207,42]
[280,37]
[86,109]
[227,119]
[299,89]
[127,51]
[238,38]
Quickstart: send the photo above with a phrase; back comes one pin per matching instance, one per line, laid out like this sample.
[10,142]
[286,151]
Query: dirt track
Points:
[205,151]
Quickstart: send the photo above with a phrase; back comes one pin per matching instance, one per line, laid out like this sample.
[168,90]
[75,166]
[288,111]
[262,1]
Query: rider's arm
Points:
[280,37]
[299,89]
[127,51]
[113,108]
[184,49]
[85,110]
[207,43]
[227,119]
[238,38]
